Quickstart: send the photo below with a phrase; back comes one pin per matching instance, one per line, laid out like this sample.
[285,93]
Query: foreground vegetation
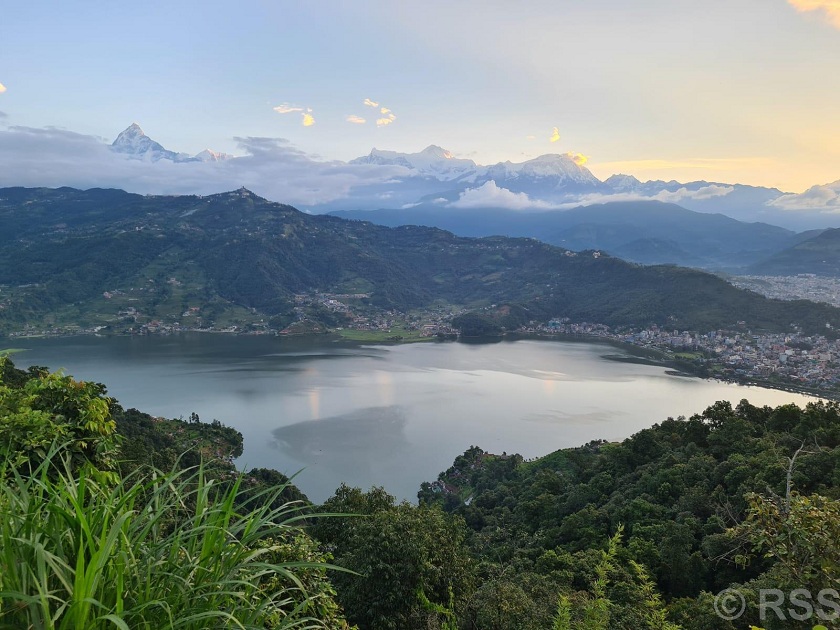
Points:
[114,519]
[84,544]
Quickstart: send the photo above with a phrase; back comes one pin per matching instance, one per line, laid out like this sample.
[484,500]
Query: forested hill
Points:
[819,255]
[62,250]
[742,497]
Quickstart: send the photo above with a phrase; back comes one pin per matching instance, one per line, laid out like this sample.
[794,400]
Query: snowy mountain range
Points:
[436,178]
[136,144]
[433,161]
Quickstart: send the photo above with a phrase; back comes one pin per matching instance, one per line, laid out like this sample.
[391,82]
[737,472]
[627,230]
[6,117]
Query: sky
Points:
[743,91]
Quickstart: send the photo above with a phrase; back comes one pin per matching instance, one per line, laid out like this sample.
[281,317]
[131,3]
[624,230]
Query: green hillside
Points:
[104,257]
[819,255]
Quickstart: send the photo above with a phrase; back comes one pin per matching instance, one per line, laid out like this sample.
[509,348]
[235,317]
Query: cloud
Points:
[489,195]
[530,137]
[825,198]
[387,115]
[286,108]
[308,120]
[706,192]
[831,8]
[555,135]
[271,167]
[387,119]
[665,196]
[578,158]
[356,120]
[2,88]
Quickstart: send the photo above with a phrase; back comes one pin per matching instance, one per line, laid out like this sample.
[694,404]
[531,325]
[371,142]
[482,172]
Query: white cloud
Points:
[578,158]
[489,195]
[356,120]
[706,192]
[286,108]
[555,135]
[831,8]
[271,167]
[665,196]
[388,116]
[825,198]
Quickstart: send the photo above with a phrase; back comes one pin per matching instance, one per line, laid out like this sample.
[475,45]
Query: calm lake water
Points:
[387,415]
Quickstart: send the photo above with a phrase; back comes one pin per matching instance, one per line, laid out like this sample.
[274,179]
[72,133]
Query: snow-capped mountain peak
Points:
[433,161]
[434,150]
[212,156]
[623,183]
[133,140]
[566,168]
[134,143]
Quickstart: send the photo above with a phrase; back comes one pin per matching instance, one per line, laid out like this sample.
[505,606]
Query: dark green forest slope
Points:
[62,250]
[819,255]
[692,496]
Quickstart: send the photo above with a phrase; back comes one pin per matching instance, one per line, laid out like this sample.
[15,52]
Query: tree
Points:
[412,565]
[798,532]
[596,610]
[49,408]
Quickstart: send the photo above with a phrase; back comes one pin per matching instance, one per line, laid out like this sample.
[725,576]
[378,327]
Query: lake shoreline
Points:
[389,414]
[639,355]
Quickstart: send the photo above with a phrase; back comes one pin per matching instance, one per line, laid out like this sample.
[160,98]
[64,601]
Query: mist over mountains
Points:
[431,178]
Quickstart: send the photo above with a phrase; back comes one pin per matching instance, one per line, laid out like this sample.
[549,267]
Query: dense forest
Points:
[113,518]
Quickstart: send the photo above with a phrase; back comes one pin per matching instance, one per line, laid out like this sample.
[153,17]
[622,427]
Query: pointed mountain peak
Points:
[432,161]
[436,151]
[130,133]
[136,144]
[208,155]
[622,178]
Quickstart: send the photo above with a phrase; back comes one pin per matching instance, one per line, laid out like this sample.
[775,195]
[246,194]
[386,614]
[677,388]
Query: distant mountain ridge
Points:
[648,232]
[101,255]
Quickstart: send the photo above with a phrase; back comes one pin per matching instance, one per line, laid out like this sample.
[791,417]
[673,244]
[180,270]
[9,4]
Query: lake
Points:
[393,416]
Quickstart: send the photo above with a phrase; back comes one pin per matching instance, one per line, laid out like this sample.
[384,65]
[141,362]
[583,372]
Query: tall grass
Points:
[162,551]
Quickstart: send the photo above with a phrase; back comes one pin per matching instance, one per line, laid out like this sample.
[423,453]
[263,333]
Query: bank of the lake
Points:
[392,415]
